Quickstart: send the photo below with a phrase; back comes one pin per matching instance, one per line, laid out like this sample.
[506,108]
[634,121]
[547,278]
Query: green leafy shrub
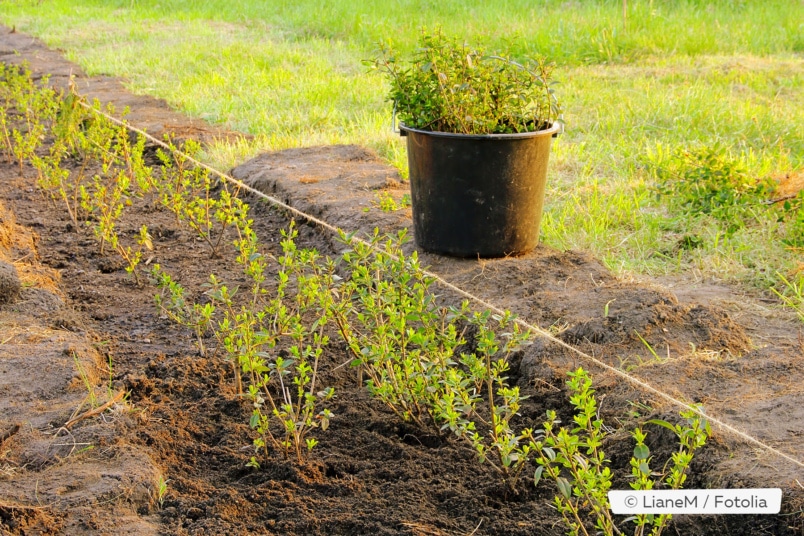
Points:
[708,181]
[174,305]
[30,107]
[505,448]
[574,459]
[413,354]
[401,340]
[449,86]
[188,191]
[90,138]
[277,341]
[793,215]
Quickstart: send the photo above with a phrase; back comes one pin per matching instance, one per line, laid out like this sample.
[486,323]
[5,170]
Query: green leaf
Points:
[641,452]
[564,487]
[644,468]
[537,476]
[665,424]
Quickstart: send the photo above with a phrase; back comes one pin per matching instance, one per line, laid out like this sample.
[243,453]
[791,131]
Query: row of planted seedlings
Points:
[442,368]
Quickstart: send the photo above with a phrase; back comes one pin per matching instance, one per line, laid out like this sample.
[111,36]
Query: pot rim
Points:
[554,130]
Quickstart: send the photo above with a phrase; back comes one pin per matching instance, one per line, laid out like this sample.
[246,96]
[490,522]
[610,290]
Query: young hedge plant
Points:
[450,86]
[574,459]
[412,354]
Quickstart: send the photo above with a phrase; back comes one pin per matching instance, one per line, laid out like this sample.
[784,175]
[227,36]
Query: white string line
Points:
[522,323]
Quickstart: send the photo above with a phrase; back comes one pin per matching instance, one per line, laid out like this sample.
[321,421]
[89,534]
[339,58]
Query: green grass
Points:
[676,74]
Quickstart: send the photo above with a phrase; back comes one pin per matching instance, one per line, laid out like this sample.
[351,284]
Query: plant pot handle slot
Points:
[394,128]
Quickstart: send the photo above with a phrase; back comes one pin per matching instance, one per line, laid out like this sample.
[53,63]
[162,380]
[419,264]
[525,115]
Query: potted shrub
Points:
[478,128]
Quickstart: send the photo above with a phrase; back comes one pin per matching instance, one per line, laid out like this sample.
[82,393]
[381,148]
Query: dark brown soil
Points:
[76,310]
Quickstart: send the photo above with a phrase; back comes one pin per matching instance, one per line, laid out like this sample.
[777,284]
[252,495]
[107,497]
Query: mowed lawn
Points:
[640,89]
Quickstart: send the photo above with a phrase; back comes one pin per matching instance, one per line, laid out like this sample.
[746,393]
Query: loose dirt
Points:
[67,313]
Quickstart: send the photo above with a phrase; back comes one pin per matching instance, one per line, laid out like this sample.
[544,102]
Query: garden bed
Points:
[184,425]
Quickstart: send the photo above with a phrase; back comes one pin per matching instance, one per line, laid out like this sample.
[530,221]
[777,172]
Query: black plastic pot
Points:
[477,195]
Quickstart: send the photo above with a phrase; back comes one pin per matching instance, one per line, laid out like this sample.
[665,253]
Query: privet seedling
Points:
[93,139]
[172,304]
[277,342]
[573,458]
[187,190]
[104,200]
[407,349]
[401,340]
[130,157]
[35,108]
[209,217]
[53,179]
[179,183]
[386,202]
[505,448]
[5,133]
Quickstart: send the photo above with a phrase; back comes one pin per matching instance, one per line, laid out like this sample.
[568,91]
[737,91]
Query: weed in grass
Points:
[793,215]
[575,461]
[792,293]
[707,180]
